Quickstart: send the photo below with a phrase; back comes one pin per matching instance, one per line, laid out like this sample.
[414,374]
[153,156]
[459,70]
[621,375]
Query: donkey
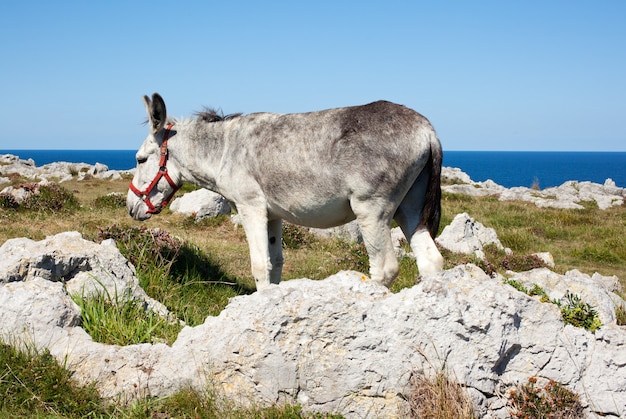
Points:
[372,163]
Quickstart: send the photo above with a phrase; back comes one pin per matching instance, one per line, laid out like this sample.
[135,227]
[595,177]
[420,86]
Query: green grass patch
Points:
[590,240]
[111,201]
[176,273]
[33,384]
[123,321]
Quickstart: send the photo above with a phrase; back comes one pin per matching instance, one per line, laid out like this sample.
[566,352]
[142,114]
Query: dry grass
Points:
[439,398]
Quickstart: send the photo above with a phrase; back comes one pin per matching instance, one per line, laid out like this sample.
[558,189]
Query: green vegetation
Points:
[578,313]
[110,201]
[495,261]
[590,240]
[620,314]
[194,267]
[33,383]
[573,309]
[123,321]
[50,198]
[177,273]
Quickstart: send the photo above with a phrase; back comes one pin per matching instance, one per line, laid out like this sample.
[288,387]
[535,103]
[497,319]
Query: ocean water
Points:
[545,169]
[507,168]
[114,159]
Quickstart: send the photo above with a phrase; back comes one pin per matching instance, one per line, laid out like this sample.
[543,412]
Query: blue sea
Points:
[507,168]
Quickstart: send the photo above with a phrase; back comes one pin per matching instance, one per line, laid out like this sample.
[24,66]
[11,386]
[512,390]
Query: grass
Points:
[590,240]
[119,320]
[439,398]
[33,383]
[194,267]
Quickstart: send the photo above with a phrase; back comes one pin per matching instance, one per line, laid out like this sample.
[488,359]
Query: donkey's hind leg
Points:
[408,216]
[275,234]
[374,225]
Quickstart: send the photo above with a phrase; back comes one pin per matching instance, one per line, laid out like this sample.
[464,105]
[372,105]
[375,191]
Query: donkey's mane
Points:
[213,115]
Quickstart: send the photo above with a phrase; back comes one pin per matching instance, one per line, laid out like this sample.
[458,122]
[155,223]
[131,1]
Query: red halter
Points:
[143,195]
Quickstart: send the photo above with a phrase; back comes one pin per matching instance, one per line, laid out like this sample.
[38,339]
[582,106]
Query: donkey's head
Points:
[155,180]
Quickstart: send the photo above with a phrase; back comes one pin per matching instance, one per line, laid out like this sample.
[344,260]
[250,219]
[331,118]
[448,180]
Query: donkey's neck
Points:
[197,148]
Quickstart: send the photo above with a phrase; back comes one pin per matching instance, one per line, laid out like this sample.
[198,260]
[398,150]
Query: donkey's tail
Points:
[431,213]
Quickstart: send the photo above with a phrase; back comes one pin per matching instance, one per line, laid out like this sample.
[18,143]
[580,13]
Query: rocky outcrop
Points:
[58,171]
[569,195]
[342,345]
[81,266]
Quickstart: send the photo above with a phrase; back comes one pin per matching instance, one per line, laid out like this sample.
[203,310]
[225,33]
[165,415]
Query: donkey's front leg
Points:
[255,225]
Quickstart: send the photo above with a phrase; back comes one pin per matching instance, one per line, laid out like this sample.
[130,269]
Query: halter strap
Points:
[162,173]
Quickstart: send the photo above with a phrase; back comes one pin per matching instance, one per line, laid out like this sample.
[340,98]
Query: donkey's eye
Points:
[141,160]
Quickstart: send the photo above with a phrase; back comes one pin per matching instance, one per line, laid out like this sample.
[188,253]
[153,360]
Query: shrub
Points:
[517,285]
[620,315]
[141,245]
[550,401]
[537,290]
[296,237]
[578,313]
[49,198]
[573,310]
[190,222]
[352,256]
[520,263]
[112,201]
[7,201]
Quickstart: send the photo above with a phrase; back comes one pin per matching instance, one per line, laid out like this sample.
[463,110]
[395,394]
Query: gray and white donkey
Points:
[375,163]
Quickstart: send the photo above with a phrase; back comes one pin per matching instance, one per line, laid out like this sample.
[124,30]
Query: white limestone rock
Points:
[465,235]
[201,203]
[84,267]
[58,171]
[343,345]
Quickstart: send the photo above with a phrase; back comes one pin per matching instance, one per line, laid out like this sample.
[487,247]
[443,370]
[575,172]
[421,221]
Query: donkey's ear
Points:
[157,114]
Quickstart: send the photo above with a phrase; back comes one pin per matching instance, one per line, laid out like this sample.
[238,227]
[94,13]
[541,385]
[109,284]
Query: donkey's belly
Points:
[314,214]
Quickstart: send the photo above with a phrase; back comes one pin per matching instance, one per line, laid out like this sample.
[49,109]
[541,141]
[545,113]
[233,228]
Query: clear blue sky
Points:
[490,75]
